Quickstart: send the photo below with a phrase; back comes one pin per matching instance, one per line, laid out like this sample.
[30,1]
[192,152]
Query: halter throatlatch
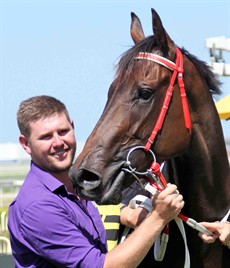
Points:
[178,70]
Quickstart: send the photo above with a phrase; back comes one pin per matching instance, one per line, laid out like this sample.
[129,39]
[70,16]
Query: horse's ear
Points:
[162,37]
[136,29]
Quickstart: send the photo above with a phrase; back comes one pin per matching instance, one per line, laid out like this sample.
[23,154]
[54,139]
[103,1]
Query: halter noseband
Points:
[178,71]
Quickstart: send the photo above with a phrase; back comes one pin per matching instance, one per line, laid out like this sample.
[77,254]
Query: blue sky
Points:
[68,49]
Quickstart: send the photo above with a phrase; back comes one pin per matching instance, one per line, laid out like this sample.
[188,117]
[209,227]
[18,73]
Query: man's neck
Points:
[65,179]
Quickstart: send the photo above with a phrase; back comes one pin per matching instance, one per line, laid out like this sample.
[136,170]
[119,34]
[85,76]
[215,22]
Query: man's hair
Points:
[36,108]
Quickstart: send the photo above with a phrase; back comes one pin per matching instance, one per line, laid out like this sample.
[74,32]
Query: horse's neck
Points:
[208,150]
[202,173]
[207,155]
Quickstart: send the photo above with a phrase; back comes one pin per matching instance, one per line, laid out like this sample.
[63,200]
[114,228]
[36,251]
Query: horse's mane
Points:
[126,64]
[205,71]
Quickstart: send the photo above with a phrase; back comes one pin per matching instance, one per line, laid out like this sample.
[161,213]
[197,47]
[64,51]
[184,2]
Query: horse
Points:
[160,84]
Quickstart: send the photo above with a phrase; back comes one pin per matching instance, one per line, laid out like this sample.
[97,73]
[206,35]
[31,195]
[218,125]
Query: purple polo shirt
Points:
[50,227]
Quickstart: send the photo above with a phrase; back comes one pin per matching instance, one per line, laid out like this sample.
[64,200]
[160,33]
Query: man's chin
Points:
[58,168]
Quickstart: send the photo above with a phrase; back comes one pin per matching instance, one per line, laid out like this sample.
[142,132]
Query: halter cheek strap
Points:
[178,71]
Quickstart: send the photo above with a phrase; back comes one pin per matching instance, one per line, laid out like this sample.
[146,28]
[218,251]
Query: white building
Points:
[11,153]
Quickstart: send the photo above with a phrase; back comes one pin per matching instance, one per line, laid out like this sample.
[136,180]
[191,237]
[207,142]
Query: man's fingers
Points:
[170,189]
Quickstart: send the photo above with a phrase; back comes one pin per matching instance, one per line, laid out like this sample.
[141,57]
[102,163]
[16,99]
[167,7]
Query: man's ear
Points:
[72,123]
[25,143]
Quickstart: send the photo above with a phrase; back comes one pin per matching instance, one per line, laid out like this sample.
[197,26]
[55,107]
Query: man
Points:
[49,224]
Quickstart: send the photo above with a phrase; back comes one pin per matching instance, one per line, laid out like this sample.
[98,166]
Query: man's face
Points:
[51,143]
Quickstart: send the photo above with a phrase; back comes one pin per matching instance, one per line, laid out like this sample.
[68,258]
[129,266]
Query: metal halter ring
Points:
[128,162]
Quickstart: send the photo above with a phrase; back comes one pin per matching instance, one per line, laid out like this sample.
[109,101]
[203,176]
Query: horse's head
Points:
[134,103]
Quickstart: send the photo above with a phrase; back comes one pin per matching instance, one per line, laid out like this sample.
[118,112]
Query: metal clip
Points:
[155,179]
[150,175]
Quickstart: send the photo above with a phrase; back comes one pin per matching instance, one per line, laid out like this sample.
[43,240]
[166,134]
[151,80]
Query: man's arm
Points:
[166,206]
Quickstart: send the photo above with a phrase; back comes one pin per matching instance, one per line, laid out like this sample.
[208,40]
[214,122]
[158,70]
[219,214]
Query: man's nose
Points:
[57,140]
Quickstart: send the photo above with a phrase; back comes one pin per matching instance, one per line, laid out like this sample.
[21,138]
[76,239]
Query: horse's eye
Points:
[145,94]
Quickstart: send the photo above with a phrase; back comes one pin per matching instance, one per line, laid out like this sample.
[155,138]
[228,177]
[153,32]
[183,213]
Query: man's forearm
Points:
[133,250]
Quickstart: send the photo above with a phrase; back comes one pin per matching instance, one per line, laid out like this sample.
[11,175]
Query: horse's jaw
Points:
[89,185]
[114,194]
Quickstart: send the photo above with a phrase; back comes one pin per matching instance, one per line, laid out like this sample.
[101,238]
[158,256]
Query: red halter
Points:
[159,181]
[178,70]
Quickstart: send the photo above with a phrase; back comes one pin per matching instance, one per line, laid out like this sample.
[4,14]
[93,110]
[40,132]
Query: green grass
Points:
[3,209]
[13,171]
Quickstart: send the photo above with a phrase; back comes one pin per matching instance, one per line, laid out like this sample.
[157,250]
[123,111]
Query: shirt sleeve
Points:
[51,231]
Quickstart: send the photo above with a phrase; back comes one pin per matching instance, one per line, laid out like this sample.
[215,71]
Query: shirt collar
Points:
[46,178]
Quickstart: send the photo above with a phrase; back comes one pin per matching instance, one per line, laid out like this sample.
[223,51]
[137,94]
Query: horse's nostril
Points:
[86,179]
[88,176]
[90,180]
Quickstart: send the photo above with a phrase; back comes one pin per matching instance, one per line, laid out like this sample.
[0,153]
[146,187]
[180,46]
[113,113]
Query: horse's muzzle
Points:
[89,185]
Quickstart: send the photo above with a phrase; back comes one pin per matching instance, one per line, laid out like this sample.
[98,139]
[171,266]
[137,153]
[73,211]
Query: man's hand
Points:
[168,203]
[219,229]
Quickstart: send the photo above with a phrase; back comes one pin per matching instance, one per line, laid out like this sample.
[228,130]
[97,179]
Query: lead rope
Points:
[155,182]
[161,242]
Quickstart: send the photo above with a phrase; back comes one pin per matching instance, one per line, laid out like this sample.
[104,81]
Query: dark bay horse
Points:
[190,141]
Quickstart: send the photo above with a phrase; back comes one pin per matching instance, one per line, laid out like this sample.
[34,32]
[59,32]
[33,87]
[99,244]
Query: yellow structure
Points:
[223,108]
[110,215]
